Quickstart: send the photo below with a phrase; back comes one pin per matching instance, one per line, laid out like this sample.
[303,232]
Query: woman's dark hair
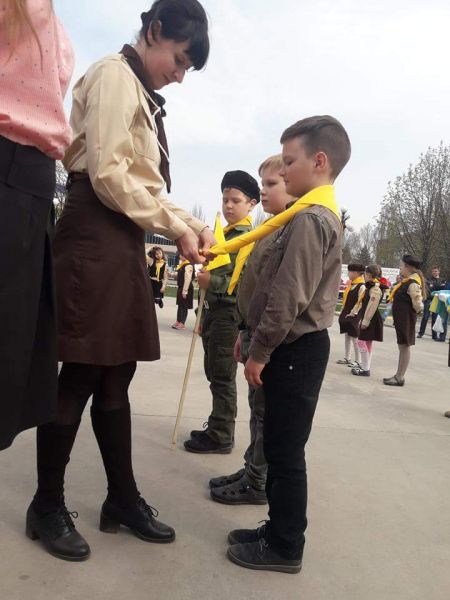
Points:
[181,20]
[374,270]
[152,252]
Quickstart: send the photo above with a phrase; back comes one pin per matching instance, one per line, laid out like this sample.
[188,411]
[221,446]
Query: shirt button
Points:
[291,368]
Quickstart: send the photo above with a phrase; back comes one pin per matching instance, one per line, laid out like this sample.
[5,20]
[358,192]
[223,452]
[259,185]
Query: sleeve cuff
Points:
[258,352]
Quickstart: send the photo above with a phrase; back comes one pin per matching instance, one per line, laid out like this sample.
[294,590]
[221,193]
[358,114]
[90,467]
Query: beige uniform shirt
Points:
[115,141]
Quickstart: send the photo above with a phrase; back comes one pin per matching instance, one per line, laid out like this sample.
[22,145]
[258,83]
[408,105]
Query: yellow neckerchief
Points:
[358,305]
[158,265]
[414,277]
[245,221]
[356,281]
[320,196]
[242,256]
[182,264]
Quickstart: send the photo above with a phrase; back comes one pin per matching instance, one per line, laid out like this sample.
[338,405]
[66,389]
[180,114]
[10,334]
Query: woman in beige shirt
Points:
[118,164]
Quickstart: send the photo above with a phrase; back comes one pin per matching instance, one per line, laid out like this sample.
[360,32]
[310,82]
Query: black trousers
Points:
[28,359]
[292,382]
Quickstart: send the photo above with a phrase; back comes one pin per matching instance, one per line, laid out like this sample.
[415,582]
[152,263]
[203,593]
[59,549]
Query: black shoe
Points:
[203,444]
[161,304]
[139,518]
[246,536]
[394,381]
[197,432]
[239,492]
[258,556]
[57,532]
[217,482]
[420,335]
[359,372]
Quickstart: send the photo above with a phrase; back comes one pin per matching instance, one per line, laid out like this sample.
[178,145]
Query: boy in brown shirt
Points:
[290,311]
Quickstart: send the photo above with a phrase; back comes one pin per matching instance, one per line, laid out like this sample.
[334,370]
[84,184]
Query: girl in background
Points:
[407,302]
[371,326]
[159,273]
[185,292]
[349,324]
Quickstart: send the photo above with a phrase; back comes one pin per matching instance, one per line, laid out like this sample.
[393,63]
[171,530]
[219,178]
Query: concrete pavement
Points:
[379,512]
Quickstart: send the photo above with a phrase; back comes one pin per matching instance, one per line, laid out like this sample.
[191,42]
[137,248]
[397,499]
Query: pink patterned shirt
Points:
[32,91]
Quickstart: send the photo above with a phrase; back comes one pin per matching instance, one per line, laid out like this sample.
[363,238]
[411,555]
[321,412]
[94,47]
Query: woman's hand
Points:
[206,239]
[187,246]
[184,295]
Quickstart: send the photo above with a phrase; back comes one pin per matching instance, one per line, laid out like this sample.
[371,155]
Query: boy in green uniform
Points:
[240,194]
[247,486]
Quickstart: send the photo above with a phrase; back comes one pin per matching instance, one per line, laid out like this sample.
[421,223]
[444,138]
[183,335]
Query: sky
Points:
[380,67]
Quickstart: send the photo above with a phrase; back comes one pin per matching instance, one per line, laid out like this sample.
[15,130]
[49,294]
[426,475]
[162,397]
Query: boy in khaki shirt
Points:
[290,311]
[247,486]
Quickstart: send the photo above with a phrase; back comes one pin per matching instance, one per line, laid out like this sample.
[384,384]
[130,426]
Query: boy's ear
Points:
[253,203]
[321,160]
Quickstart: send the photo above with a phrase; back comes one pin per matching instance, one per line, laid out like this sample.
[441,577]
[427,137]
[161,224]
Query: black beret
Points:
[357,267]
[412,261]
[242,181]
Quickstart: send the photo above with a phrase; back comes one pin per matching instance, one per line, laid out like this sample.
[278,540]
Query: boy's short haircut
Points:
[374,270]
[274,163]
[322,134]
[356,267]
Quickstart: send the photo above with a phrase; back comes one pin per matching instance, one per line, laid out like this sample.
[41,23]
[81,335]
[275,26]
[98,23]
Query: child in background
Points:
[348,323]
[185,292]
[407,302]
[158,272]
[371,326]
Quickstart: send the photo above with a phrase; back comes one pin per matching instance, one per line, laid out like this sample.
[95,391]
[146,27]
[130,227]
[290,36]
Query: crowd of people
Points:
[273,316]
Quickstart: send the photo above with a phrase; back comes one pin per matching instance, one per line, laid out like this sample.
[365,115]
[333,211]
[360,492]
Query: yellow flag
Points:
[223,259]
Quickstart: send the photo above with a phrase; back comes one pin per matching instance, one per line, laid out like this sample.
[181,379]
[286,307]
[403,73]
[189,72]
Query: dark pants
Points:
[426,316]
[255,460]
[219,334]
[292,382]
[182,314]
[28,372]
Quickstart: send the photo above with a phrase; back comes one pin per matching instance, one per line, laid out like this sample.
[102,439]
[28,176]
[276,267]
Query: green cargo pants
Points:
[219,334]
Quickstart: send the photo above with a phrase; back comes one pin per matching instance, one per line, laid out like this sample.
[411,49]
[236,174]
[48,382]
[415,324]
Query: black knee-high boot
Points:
[124,505]
[112,429]
[47,518]
[54,445]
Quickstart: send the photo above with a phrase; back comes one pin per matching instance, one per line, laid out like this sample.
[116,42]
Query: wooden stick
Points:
[189,365]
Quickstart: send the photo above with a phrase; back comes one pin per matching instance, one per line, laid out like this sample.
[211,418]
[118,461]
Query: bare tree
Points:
[414,213]
[198,212]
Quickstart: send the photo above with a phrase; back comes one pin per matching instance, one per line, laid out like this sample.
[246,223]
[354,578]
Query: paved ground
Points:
[379,494]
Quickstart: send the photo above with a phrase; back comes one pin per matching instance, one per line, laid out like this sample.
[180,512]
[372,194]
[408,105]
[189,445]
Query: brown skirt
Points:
[106,313]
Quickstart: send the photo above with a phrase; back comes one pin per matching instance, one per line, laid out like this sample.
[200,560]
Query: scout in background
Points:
[185,292]
[158,271]
[348,323]
[240,194]
[407,302]
[371,325]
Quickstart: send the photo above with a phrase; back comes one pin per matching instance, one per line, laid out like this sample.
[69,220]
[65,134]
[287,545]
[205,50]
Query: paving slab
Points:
[378,464]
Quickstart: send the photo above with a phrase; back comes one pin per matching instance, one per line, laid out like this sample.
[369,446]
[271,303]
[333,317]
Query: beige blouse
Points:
[115,141]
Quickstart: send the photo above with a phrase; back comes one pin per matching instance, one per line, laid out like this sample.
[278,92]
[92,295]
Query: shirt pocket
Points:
[145,140]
